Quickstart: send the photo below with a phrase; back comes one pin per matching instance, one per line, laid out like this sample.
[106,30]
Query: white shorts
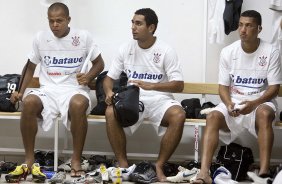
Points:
[154,110]
[238,124]
[56,102]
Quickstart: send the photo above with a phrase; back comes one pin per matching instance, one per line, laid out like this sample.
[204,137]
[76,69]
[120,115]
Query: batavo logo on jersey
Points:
[149,76]
[238,80]
[62,62]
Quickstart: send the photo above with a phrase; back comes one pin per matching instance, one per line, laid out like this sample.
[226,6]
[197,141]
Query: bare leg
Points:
[32,108]
[116,137]
[215,122]
[174,121]
[77,113]
[264,117]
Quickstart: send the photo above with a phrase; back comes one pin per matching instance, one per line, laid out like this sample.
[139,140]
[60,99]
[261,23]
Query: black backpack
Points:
[236,159]
[9,83]
[101,106]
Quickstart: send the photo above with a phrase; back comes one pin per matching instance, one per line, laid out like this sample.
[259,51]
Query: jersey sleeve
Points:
[274,75]
[34,55]
[117,65]
[92,46]
[224,70]
[172,66]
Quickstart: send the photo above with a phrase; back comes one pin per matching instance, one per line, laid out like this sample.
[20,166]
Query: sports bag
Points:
[101,106]
[9,83]
[236,159]
[190,106]
[127,106]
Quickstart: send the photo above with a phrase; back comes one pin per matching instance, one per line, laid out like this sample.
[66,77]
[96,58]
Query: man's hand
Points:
[249,106]
[142,84]
[15,97]
[232,112]
[109,98]
[82,79]
[246,108]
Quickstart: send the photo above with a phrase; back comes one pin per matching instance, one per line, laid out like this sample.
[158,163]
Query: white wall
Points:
[181,24]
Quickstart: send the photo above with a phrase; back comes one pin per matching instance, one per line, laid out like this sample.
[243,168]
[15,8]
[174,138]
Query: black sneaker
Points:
[170,169]
[145,172]
[49,161]
[96,160]
[6,167]
[39,157]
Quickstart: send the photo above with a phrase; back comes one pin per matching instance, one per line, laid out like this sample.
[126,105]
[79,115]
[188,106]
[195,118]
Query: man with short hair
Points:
[61,52]
[153,66]
[249,80]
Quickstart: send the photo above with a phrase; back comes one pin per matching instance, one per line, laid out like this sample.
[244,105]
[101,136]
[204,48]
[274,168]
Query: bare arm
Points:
[224,93]
[108,88]
[172,86]
[27,75]
[95,70]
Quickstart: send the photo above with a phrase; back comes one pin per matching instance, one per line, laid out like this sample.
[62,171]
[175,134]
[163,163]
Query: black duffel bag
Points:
[236,159]
[101,106]
[190,105]
[127,106]
[9,83]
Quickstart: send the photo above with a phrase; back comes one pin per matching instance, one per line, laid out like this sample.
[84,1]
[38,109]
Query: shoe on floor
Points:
[37,175]
[59,177]
[125,172]
[115,175]
[260,179]
[145,172]
[67,165]
[104,172]
[6,167]
[91,177]
[183,175]
[15,176]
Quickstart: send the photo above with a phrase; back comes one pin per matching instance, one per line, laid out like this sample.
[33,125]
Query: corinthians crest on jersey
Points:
[262,60]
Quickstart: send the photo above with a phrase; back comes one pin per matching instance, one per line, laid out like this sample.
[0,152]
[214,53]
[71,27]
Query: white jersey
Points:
[156,64]
[215,21]
[248,75]
[62,58]
[276,5]
[276,37]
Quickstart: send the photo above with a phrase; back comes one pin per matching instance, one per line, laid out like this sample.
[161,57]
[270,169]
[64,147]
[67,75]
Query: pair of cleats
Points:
[22,171]
[104,175]
[116,174]
[184,175]
[260,179]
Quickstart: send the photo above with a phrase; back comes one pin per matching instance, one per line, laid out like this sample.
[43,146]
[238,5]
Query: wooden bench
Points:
[202,89]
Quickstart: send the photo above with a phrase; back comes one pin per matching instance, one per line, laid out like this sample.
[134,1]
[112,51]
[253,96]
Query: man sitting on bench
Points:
[249,78]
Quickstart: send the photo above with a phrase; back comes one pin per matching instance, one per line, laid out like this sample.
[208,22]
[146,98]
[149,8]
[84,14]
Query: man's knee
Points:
[78,103]
[174,115]
[109,113]
[265,113]
[32,103]
[216,119]
[264,117]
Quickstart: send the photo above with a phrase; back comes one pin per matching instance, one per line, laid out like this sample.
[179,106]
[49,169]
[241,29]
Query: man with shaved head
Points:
[62,53]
